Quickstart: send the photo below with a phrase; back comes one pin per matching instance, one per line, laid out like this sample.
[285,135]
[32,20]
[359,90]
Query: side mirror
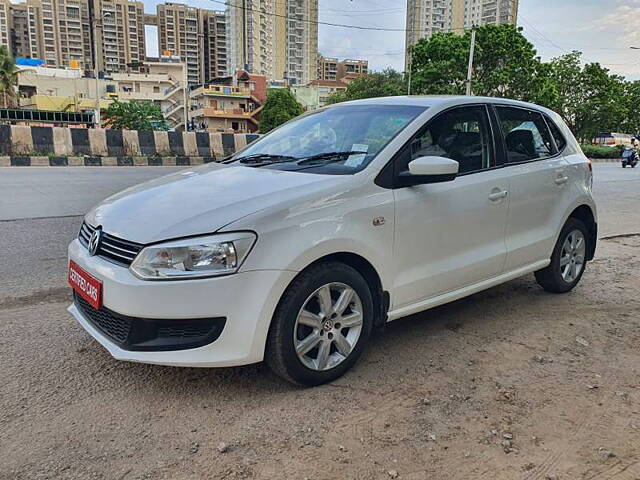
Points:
[424,170]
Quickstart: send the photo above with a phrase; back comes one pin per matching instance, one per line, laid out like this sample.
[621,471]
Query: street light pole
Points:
[471,54]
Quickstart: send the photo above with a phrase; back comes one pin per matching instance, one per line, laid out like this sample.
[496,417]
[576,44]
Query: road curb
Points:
[91,161]
[605,160]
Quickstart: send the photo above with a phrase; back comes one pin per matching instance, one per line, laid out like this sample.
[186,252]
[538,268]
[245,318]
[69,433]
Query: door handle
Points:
[495,196]
[561,179]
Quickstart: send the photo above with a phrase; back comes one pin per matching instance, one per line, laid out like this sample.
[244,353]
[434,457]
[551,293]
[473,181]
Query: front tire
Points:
[321,325]
[568,260]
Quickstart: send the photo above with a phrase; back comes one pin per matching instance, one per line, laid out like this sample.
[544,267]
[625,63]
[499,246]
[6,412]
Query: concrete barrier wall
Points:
[18,140]
[91,161]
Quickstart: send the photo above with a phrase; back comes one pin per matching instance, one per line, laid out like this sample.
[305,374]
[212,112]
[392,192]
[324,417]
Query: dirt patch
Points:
[49,295]
[511,383]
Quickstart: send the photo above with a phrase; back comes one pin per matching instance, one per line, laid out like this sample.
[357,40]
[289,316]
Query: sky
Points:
[604,30]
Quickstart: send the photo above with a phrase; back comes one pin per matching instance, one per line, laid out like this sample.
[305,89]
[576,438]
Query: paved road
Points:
[34,192]
[617,191]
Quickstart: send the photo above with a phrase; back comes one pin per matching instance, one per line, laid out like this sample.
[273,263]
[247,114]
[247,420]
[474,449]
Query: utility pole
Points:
[96,112]
[410,67]
[185,97]
[94,24]
[472,50]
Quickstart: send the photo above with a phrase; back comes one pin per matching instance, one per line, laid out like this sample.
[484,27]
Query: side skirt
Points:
[465,291]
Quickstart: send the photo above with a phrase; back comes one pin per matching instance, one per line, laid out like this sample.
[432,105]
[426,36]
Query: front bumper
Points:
[246,300]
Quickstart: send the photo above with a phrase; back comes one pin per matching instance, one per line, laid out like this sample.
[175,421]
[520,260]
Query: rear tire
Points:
[569,259]
[321,325]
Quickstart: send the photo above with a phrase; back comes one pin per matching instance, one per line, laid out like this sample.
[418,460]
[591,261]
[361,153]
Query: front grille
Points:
[111,248]
[113,326]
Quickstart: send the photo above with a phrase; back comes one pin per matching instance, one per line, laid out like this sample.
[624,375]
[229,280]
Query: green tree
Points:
[439,64]
[505,65]
[589,99]
[631,104]
[280,107]
[134,115]
[378,84]
[8,77]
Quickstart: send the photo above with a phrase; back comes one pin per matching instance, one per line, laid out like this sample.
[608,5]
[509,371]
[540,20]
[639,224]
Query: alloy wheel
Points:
[328,326]
[572,256]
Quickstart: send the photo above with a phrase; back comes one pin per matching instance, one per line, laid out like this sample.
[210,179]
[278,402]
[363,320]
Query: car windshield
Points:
[339,140]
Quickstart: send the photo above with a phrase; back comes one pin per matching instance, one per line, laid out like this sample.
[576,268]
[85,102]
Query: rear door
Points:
[538,180]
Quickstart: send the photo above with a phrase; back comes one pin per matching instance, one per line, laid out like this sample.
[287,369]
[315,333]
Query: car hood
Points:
[199,200]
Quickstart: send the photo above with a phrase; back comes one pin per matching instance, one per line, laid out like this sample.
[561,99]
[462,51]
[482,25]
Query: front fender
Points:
[293,237]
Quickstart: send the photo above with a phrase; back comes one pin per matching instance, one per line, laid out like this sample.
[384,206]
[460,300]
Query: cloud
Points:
[625,22]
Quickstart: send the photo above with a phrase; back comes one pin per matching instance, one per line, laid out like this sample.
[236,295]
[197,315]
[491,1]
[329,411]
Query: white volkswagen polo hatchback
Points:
[295,249]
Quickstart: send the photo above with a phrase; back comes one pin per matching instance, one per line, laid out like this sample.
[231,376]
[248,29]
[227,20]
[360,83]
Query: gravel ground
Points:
[511,383]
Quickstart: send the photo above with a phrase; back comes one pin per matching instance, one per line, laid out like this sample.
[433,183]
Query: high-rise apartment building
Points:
[197,36]
[5,23]
[489,12]
[61,32]
[22,28]
[120,34]
[74,33]
[66,33]
[215,47]
[275,38]
[178,35]
[301,41]
[426,17]
[19,36]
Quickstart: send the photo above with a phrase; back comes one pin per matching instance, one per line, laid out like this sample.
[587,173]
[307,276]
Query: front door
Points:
[450,235]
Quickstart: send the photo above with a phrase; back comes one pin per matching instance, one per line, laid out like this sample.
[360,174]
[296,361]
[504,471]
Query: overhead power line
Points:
[365,12]
[330,24]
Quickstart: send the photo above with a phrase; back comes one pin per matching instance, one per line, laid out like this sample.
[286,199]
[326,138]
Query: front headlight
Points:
[197,257]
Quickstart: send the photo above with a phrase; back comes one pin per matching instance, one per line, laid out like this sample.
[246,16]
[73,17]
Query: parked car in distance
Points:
[298,247]
[613,139]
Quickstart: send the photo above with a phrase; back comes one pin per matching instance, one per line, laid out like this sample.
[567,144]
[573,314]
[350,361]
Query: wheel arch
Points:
[585,214]
[381,299]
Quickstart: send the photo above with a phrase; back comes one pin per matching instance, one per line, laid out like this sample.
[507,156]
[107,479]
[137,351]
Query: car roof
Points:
[443,101]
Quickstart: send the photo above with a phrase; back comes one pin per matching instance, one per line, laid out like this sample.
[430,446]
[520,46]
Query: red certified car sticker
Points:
[85,285]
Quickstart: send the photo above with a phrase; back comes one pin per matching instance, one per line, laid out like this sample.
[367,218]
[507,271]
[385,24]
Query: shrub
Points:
[596,151]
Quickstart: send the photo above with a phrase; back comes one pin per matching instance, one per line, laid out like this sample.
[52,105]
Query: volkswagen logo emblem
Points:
[94,241]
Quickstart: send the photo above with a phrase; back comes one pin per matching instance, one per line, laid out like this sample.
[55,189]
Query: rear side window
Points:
[557,135]
[526,134]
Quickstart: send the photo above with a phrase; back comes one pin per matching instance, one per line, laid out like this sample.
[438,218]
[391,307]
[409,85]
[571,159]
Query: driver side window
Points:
[462,134]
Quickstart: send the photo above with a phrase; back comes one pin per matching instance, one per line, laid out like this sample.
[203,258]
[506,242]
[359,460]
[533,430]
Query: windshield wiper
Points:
[264,159]
[328,157]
